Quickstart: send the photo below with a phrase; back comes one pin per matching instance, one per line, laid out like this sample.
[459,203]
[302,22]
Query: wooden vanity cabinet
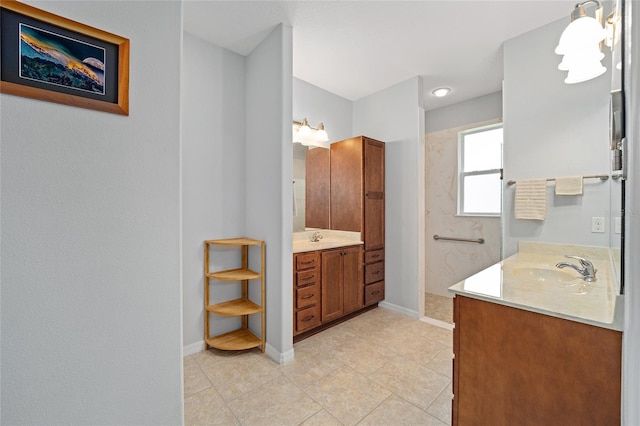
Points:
[516,367]
[306,291]
[342,287]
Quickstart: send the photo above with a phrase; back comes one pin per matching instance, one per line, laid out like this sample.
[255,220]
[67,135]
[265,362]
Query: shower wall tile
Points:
[449,262]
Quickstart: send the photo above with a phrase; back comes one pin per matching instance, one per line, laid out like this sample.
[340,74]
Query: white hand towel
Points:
[569,185]
[531,199]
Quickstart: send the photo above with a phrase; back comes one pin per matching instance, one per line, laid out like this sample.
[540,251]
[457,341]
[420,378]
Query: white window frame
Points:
[462,174]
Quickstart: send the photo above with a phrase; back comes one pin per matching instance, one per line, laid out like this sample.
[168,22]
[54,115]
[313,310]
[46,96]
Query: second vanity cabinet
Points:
[516,367]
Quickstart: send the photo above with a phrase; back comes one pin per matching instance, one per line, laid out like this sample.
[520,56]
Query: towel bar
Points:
[601,177]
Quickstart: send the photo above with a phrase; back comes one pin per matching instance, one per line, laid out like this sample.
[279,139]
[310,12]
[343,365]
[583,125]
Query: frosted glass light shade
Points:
[579,58]
[581,33]
[585,73]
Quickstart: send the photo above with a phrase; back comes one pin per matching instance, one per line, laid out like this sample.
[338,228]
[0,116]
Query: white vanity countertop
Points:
[330,239]
[529,280]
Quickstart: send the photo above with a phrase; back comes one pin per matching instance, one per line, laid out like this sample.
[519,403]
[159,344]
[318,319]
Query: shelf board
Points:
[235,242]
[234,274]
[235,340]
[235,307]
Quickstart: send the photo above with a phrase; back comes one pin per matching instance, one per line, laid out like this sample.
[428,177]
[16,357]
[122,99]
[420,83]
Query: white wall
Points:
[631,335]
[395,115]
[213,176]
[91,306]
[553,129]
[476,110]
[319,105]
[269,196]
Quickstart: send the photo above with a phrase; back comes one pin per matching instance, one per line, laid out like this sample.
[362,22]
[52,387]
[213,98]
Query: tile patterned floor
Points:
[380,368]
[438,307]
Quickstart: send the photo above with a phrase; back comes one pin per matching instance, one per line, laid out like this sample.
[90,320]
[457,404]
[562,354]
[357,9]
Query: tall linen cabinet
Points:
[357,203]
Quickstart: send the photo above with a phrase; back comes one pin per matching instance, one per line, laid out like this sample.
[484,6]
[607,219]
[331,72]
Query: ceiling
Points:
[356,48]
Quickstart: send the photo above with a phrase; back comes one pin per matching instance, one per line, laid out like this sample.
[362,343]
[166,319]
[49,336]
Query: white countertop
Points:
[530,280]
[330,239]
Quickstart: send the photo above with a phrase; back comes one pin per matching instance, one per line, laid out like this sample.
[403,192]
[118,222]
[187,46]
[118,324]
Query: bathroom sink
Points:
[544,274]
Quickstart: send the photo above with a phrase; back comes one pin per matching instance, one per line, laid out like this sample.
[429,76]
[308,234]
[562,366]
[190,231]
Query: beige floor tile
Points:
[326,341]
[307,368]
[441,335]
[441,406]
[442,363]
[411,381]
[207,408]
[322,418]
[240,373]
[421,350]
[363,356]
[278,402]
[396,411]
[194,378]
[347,395]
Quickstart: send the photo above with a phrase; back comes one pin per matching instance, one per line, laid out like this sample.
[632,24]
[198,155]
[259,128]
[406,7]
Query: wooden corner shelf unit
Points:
[242,338]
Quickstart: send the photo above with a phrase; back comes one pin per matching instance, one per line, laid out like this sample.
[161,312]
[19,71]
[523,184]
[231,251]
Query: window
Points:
[479,171]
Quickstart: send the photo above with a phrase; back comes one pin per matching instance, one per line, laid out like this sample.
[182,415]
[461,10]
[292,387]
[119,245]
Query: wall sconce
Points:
[309,136]
[580,43]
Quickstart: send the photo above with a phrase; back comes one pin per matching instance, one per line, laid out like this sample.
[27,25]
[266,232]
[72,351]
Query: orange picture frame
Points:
[42,58]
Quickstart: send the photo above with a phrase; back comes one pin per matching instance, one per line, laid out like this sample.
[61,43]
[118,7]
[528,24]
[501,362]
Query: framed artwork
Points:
[44,56]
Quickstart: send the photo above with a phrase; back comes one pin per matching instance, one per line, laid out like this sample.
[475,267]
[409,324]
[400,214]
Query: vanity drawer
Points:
[374,256]
[307,260]
[373,272]
[307,296]
[307,318]
[373,293]
[306,278]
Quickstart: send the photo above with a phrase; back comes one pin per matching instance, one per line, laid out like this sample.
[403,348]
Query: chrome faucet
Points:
[316,237]
[587,271]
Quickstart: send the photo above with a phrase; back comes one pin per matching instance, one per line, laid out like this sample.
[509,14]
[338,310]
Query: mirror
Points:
[555,129]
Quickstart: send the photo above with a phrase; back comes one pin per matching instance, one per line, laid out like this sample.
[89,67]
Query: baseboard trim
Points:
[437,323]
[277,356]
[193,348]
[399,309]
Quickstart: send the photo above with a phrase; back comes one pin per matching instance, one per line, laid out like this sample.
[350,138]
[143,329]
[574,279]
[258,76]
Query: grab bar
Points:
[465,240]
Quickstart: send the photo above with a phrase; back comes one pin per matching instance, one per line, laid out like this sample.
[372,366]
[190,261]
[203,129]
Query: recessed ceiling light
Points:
[441,91]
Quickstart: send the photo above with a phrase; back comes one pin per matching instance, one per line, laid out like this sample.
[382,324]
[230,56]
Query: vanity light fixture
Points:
[441,92]
[309,136]
[580,43]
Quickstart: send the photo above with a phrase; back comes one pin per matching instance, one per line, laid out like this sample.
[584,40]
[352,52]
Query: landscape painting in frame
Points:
[54,59]
[50,58]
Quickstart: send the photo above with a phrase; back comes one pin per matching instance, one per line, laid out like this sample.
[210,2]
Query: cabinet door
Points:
[373,194]
[317,188]
[332,296]
[353,288]
[346,185]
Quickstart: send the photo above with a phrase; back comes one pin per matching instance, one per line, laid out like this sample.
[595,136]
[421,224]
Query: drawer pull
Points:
[375,256]
[307,319]
[306,262]
[376,273]
[308,278]
[375,292]
[308,296]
